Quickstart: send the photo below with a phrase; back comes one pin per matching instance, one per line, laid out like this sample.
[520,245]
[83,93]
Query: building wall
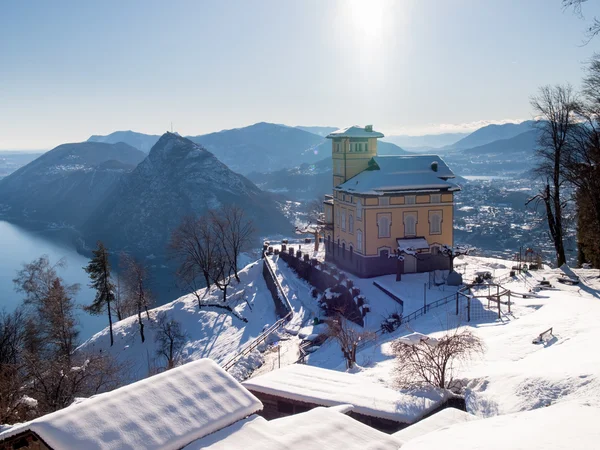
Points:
[345,206]
[347,163]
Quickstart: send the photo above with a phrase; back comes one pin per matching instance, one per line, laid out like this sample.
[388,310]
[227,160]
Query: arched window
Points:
[384,223]
[358,209]
[359,241]
[343,220]
[351,251]
[344,250]
[435,223]
[410,225]
[351,224]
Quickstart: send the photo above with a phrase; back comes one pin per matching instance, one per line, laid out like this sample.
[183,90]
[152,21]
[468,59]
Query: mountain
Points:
[426,142]
[524,143]
[263,147]
[143,142]
[491,133]
[320,131]
[67,183]
[177,178]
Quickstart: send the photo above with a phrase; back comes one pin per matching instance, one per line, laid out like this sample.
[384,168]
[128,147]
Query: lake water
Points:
[18,246]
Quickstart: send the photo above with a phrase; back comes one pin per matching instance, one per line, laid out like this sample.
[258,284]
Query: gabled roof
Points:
[326,387]
[319,428]
[401,173]
[355,131]
[166,412]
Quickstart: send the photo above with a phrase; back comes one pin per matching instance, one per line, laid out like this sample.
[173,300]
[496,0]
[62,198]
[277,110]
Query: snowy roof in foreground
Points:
[330,388]
[442,419]
[563,426]
[319,428]
[166,411]
[401,173]
[355,131]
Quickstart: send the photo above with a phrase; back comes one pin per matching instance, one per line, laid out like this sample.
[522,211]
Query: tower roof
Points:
[356,131]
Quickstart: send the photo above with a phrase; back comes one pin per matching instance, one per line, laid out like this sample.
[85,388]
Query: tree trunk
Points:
[112,340]
[207,279]
[141,324]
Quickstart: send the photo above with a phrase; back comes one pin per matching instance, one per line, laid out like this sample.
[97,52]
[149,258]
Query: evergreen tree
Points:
[99,272]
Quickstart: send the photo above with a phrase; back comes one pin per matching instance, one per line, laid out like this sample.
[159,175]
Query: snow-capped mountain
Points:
[67,183]
[178,178]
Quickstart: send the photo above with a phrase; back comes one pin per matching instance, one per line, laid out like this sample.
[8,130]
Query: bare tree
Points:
[12,375]
[193,243]
[557,106]
[454,252]
[432,362]
[348,336]
[233,231]
[222,271]
[316,222]
[170,339]
[136,279]
[577,5]
[122,305]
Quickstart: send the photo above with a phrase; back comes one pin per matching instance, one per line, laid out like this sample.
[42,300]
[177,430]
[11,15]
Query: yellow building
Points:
[386,205]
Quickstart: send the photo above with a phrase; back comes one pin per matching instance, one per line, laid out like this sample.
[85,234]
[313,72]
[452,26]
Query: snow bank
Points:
[330,388]
[166,411]
[565,426]
[442,419]
[319,428]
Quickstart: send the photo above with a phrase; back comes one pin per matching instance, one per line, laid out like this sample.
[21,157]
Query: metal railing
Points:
[265,334]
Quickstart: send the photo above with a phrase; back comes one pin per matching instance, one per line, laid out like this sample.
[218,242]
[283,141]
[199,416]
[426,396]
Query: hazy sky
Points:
[69,69]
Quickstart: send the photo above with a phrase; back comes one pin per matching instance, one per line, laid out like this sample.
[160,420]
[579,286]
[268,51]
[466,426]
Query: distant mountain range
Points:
[67,183]
[491,133]
[524,143]
[262,147]
[426,142]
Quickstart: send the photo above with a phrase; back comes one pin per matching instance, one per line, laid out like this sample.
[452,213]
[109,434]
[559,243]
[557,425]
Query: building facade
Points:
[385,206]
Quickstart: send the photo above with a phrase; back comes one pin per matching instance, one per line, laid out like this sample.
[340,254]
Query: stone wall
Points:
[280,306]
[338,292]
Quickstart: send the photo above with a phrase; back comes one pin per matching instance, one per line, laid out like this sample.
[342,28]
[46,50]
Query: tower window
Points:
[436,198]
[435,222]
[359,209]
[410,200]
[410,225]
[384,223]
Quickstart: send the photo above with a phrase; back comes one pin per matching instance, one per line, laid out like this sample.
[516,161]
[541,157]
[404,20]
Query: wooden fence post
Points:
[457,303]
[468,309]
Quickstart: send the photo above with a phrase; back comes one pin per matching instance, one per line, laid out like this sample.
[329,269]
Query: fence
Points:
[281,301]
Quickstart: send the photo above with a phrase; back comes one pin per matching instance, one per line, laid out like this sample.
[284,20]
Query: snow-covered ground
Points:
[210,332]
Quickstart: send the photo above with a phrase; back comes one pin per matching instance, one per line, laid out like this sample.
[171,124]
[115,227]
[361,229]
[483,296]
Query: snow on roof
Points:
[442,419]
[401,173]
[330,388]
[355,131]
[166,411]
[319,428]
[563,426]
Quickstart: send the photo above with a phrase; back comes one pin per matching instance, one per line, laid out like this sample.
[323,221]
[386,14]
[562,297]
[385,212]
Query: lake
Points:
[19,245]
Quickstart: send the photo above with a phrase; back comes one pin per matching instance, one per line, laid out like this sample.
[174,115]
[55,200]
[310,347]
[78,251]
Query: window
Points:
[410,225]
[351,251]
[350,199]
[384,201]
[344,250]
[436,198]
[359,244]
[337,217]
[410,200]
[359,209]
[435,222]
[384,222]
[351,224]
[343,220]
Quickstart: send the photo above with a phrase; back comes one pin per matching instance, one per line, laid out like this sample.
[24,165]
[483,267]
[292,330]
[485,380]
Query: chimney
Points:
[434,166]
[369,128]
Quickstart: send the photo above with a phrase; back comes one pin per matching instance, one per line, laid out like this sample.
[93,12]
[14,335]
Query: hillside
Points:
[425,142]
[524,144]
[178,178]
[66,184]
[491,133]
[210,332]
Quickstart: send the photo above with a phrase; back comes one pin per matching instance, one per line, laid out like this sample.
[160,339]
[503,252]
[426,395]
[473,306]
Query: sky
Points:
[70,69]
